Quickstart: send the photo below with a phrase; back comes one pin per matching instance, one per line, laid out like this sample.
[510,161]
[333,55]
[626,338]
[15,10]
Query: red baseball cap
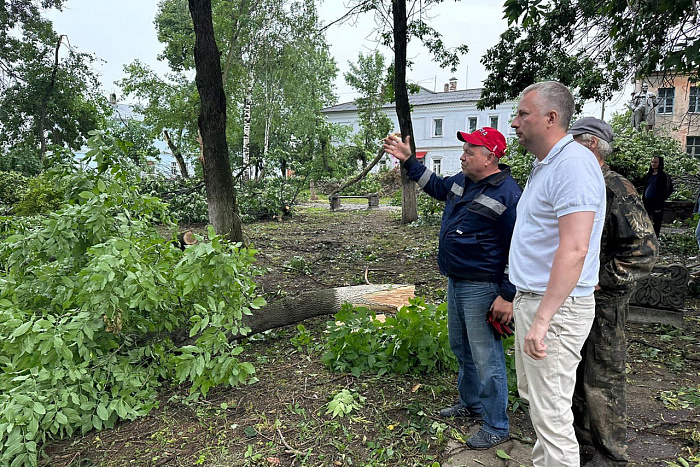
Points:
[488,137]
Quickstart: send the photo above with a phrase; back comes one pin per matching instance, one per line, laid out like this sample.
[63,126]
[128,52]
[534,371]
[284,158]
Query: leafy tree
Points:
[89,300]
[169,106]
[592,47]
[367,78]
[397,27]
[44,99]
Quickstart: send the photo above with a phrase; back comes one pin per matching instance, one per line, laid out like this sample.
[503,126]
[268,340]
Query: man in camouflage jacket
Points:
[628,252]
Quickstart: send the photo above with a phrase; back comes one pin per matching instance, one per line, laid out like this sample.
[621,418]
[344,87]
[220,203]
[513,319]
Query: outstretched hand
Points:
[397,148]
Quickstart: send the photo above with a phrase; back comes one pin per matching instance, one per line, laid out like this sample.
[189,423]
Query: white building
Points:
[436,118]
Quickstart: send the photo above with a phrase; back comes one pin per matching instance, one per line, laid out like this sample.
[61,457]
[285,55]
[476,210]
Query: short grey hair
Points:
[552,95]
[604,148]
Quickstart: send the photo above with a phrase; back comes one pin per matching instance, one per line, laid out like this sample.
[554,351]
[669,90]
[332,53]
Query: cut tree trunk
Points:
[386,298]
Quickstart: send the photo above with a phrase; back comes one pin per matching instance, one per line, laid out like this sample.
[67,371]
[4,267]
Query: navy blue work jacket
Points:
[477,223]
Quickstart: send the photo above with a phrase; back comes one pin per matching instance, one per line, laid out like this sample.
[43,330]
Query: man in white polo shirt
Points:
[554,266]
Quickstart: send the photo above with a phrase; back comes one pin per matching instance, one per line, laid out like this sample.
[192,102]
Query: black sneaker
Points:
[460,411]
[484,440]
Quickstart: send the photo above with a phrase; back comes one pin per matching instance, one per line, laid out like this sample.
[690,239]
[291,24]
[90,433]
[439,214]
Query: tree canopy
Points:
[592,47]
[49,93]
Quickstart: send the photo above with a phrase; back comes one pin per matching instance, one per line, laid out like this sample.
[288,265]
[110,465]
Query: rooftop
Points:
[422,97]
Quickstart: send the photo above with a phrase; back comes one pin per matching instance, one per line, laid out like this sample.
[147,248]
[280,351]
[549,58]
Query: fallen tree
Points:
[384,298]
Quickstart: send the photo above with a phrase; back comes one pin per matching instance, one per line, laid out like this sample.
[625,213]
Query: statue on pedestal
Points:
[642,105]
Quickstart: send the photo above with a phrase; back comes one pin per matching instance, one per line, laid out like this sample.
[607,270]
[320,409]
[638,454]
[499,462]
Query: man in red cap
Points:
[477,224]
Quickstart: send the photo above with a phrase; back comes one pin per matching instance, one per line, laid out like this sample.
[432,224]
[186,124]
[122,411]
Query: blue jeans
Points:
[482,381]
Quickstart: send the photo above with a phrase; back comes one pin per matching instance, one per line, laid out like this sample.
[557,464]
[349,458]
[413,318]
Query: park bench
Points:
[372,200]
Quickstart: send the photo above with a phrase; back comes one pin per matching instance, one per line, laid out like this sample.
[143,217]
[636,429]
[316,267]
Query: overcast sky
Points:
[119,32]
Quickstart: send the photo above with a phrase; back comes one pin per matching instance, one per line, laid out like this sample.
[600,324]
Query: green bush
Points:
[186,198]
[269,198]
[429,209]
[43,195]
[89,301]
[414,341]
[13,187]
[519,160]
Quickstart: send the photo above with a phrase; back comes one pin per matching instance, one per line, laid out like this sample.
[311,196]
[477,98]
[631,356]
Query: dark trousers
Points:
[656,214]
[600,402]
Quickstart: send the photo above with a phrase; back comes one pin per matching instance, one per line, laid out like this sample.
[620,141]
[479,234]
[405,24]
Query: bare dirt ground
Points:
[281,419]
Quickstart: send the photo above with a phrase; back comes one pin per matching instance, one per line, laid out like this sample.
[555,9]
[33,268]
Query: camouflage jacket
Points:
[628,248]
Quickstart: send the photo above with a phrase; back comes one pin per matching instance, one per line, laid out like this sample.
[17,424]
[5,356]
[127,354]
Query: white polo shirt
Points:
[568,180]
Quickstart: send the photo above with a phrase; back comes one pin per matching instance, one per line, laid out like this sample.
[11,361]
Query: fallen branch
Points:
[290,450]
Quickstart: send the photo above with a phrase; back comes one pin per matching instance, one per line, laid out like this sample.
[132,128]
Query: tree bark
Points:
[409,209]
[177,154]
[247,103]
[291,310]
[221,195]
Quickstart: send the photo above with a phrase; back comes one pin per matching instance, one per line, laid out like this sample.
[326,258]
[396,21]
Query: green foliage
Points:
[89,300]
[42,196]
[21,158]
[519,161]
[413,341]
[429,210]
[186,199]
[683,398]
[592,47]
[367,78]
[344,403]
[13,187]
[270,198]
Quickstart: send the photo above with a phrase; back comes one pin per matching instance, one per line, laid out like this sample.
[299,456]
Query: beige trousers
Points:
[548,384]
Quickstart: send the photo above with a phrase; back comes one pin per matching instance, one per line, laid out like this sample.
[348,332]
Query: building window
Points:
[693,145]
[472,124]
[437,166]
[694,101]
[493,122]
[382,164]
[173,167]
[666,96]
[437,127]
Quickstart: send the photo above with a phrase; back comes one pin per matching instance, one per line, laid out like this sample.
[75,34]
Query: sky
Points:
[119,32]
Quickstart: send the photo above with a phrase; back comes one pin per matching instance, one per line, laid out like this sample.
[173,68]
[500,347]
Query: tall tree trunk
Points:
[409,209]
[247,103]
[177,154]
[45,103]
[221,195]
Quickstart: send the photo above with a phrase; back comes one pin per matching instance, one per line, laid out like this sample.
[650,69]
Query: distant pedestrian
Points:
[657,188]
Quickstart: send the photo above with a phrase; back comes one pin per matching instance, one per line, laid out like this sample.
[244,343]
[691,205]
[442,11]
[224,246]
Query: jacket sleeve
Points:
[628,227]
[507,221]
[432,184]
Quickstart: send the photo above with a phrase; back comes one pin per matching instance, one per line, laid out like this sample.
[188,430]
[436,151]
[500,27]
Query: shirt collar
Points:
[557,149]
